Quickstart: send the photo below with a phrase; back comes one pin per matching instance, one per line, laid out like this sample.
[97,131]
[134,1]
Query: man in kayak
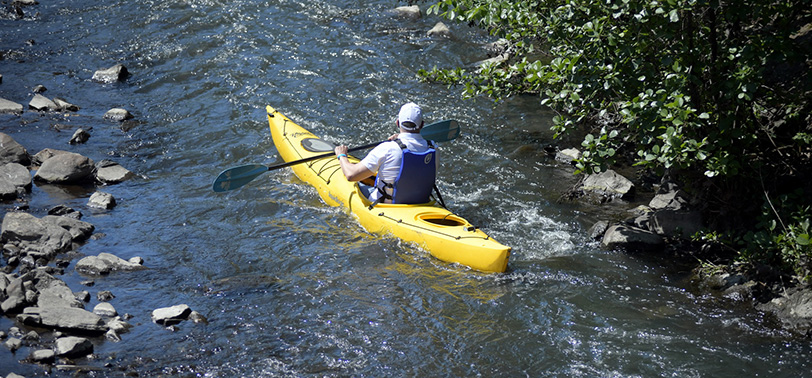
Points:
[406,165]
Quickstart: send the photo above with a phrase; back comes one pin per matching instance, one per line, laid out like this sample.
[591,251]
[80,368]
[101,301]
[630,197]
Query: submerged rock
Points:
[118,114]
[440,30]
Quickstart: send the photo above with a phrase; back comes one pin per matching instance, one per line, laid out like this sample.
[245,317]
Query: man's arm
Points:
[352,171]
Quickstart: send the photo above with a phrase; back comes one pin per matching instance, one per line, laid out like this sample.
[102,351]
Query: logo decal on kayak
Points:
[427,159]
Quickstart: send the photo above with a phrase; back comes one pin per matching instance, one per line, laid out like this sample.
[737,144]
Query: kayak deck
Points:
[445,235]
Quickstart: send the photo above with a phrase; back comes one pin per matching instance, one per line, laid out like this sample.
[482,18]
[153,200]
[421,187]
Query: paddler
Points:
[405,167]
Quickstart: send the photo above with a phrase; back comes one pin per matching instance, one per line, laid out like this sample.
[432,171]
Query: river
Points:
[293,287]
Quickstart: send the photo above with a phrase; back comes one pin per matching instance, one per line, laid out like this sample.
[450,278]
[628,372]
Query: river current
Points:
[293,287]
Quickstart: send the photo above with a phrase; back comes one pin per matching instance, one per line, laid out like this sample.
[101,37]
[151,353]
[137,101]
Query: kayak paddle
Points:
[236,177]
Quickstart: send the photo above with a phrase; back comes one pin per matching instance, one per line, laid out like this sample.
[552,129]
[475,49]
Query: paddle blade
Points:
[236,177]
[442,131]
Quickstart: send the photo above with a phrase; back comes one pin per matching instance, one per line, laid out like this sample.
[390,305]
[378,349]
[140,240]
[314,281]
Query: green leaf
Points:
[674,15]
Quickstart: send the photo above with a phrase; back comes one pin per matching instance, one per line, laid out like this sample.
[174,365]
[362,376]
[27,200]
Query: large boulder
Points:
[631,239]
[53,292]
[609,183]
[67,168]
[675,223]
[63,318]
[7,106]
[33,235]
[12,152]
[16,175]
[15,296]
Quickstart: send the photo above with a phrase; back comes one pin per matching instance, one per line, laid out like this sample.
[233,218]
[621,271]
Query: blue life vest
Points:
[415,179]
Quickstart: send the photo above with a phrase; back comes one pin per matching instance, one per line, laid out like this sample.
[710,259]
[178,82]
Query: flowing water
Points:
[293,287]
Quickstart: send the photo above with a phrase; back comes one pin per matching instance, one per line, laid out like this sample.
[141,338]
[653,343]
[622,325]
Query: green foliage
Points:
[686,84]
[786,245]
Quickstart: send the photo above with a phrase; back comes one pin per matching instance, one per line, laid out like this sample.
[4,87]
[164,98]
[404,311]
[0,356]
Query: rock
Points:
[83,296]
[64,211]
[568,155]
[78,230]
[45,154]
[7,191]
[64,318]
[43,356]
[17,175]
[597,230]
[15,296]
[171,315]
[7,106]
[73,347]
[111,75]
[676,223]
[39,89]
[32,234]
[136,260]
[79,136]
[64,105]
[13,344]
[675,200]
[109,172]
[67,168]
[440,30]
[118,114]
[119,326]
[55,293]
[105,309]
[793,308]
[631,239]
[42,103]
[101,200]
[12,152]
[410,12]
[198,318]
[104,263]
[609,183]
[105,295]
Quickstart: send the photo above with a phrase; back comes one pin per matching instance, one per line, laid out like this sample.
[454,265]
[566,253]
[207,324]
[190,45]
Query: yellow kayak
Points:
[445,235]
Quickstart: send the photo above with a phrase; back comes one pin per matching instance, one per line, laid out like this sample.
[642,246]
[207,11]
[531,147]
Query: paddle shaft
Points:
[322,156]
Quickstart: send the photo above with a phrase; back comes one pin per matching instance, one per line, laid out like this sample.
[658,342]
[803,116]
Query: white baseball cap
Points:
[410,113]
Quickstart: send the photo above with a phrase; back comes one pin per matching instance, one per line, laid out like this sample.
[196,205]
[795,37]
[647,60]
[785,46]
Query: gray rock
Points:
[136,260]
[42,103]
[105,309]
[7,106]
[609,183]
[17,175]
[410,12]
[83,296]
[78,230]
[105,295]
[15,300]
[73,347]
[79,136]
[39,88]
[12,152]
[109,172]
[598,229]
[793,308]
[53,292]
[631,239]
[568,155]
[13,343]
[102,200]
[119,326]
[45,154]
[7,191]
[64,105]
[440,30]
[67,168]
[43,356]
[676,223]
[32,234]
[171,315]
[198,318]
[65,318]
[675,200]
[112,74]
[105,263]
[118,114]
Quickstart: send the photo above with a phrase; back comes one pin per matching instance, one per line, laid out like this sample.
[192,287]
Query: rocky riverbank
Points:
[53,323]
[666,226]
